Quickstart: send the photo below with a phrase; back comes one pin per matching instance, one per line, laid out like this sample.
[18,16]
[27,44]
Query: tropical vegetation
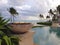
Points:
[45,23]
[54,14]
[6,37]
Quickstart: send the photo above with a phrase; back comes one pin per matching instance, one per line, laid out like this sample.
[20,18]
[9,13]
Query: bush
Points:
[45,23]
[5,34]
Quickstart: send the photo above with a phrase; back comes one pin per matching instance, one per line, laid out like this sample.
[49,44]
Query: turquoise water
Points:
[47,36]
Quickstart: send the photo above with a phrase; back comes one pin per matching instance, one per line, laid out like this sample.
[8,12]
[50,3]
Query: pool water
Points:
[47,36]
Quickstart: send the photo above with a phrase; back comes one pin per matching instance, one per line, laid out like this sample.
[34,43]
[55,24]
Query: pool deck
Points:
[55,25]
[27,39]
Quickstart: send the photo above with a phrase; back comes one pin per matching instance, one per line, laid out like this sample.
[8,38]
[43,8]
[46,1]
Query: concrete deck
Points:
[27,39]
[55,25]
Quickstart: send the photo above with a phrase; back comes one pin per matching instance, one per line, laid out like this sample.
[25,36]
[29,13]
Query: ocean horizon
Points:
[31,21]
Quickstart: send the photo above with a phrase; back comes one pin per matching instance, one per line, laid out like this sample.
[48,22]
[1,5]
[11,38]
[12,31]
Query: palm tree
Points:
[13,12]
[53,14]
[47,16]
[41,16]
[58,8]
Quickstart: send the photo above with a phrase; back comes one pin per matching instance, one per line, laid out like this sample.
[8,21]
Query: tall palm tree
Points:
[58,8]
[53,13]
[13,12]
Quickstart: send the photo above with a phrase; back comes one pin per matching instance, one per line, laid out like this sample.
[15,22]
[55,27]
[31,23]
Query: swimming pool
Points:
[47,36]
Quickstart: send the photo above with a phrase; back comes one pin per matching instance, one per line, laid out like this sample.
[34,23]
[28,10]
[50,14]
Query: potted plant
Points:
[18,27]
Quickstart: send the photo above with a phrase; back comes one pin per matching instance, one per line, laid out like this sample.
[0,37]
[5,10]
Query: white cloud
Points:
[3,2]
[41,6]
[54,3]
[24,7]
[29,7]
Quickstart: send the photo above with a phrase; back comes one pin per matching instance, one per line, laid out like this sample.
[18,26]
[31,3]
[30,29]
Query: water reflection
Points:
[47,36]
[41,36]
[55,30]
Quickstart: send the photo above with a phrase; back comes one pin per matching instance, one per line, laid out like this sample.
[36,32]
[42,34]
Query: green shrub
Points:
[45,23]
[5,34]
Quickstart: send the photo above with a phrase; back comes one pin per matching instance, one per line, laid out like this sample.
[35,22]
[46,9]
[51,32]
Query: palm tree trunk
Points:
[13,19]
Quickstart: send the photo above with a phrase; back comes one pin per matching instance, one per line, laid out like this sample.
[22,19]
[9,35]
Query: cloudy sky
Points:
[28,9]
